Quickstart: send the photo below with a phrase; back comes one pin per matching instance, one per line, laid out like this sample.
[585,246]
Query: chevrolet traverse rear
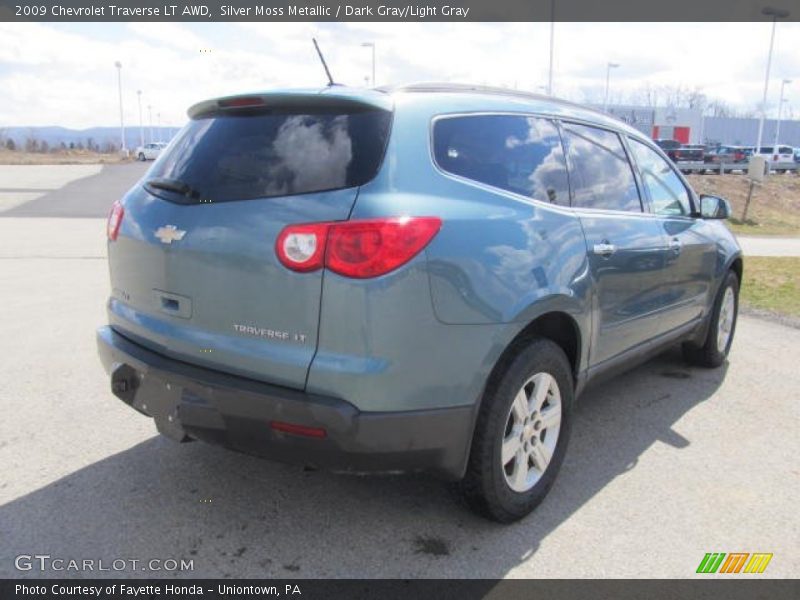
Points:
[406,279]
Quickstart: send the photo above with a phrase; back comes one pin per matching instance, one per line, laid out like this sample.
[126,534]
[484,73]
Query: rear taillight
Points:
[359,249]
[114,220]
[302,247]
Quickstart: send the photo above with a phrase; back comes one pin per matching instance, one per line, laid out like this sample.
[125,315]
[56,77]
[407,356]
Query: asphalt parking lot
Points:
[666,463]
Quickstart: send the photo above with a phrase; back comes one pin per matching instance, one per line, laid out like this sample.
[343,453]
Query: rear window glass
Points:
[242,155]
[516,153]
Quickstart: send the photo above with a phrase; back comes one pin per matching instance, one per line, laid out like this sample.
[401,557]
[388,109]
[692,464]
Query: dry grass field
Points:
[774,208]
[59,157]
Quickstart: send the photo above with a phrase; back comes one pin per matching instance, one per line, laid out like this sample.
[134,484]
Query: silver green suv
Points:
[418,278]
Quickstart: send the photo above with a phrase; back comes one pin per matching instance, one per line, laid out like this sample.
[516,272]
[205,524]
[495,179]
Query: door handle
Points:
[605,249]
[675,245]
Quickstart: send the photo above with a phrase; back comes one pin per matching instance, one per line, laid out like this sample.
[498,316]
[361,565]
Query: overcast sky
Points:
[63,74]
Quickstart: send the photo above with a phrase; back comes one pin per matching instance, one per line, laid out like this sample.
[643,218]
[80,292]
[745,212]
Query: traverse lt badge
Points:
[169,234]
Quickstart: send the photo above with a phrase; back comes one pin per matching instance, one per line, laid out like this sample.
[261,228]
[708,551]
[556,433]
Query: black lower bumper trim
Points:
[188,401]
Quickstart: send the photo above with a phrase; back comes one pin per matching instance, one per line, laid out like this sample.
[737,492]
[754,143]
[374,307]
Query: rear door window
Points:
[668,195]
[516,153]
[240,155]
[600,174]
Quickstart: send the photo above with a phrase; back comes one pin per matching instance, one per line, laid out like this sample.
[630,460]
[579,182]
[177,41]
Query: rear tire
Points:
[141,156]
[722,327]
[521,434]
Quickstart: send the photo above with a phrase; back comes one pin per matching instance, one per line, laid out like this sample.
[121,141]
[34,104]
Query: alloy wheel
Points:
[531,432]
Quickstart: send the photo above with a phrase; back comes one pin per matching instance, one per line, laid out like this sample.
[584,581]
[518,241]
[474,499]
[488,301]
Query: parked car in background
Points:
[775,155]
[407,278]
[150,151]
[691,153]
[679,153]
[728,155]
[797,155]
[669,147]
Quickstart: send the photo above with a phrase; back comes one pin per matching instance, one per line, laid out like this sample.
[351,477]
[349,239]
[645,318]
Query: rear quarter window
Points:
[240,155]
[516,153]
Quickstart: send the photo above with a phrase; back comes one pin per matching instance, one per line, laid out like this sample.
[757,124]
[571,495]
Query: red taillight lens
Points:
[370,248]
[358,249]
[114,220]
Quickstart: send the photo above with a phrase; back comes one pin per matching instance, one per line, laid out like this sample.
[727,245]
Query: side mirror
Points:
[714,207]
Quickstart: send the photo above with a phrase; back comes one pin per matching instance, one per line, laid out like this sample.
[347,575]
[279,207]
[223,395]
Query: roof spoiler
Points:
[330,98]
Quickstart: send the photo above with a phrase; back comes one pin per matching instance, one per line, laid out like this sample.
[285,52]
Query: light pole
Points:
[775,13]
[552,38]
[150,120]
[609,66]
[141,125]
[371,45]
[780,110]
[121,119]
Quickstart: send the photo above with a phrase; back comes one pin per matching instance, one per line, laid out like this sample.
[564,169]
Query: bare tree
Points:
[696,99]
[645,95]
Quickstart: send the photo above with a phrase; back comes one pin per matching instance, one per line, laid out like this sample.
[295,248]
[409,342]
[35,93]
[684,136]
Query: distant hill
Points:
[98,136]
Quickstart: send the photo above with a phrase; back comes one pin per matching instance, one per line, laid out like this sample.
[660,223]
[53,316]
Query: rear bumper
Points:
[187,402]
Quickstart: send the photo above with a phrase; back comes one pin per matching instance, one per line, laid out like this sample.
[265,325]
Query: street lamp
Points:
[141,125]
[371,45]
[609,66]
[121,119]
[775,13]
[150,120]
[780,110]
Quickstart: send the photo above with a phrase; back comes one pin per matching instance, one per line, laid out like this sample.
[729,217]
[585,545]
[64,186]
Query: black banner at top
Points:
[399,10]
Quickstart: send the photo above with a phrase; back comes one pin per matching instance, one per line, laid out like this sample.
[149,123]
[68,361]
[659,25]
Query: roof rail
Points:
[437,87]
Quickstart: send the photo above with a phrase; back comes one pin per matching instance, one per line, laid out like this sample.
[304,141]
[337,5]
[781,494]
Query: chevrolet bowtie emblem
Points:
[169,234]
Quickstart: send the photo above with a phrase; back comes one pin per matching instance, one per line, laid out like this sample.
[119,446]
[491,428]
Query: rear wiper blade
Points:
[173,185]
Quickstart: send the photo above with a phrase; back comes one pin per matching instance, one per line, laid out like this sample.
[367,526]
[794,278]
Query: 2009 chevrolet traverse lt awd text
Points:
[401,279]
